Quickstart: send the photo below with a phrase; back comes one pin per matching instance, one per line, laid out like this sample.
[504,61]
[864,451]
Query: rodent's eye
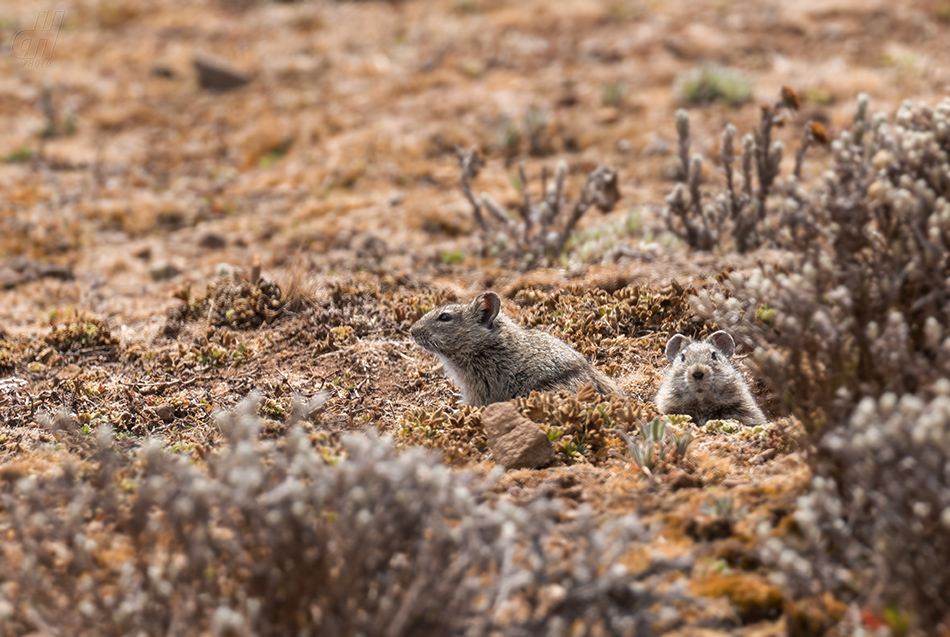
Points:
[683,357]
[445,317]
[714,357]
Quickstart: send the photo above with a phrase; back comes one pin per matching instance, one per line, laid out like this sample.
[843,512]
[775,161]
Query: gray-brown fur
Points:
[702,382]
[493,359]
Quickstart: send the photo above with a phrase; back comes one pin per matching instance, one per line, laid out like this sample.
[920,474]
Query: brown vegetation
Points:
[210,406]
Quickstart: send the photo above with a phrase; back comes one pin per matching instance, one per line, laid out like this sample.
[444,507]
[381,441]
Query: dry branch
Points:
[538,233]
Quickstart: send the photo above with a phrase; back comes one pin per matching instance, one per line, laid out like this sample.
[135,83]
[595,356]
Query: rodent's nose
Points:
[698,374]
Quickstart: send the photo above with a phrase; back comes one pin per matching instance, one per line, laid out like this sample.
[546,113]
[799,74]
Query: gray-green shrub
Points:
[271,539]
[855,315]
[879,506]
[859,305]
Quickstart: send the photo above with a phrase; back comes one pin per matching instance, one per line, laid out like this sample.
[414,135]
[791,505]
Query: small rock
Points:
[733,483]
[549,597]
[607,115]
[165,411]
[678,479]
[739,554]
[53,271]
[212,241]
[224,269]
[568,99]
[164,272]
[763,457]
[22,270]
[217,74]
[369,246]
[752,596]
[175,318]
[707,529]
[813,616]
[9,278]
[515,441]
[69,372]
[162,71]
[658,145]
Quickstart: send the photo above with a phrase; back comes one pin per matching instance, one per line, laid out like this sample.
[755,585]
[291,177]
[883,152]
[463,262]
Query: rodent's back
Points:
[703,382]
[553,365]
[493,359]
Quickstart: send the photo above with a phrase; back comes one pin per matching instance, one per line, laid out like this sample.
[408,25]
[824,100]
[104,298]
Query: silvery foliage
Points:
[851,331]
[272,539]
[859,304]
[876,519]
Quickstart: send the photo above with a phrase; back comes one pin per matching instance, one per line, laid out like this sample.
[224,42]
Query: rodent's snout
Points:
[697,376]
[418,334]
[417,328]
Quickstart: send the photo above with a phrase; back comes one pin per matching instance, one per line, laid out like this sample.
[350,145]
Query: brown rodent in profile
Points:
[492,359]
[703,383]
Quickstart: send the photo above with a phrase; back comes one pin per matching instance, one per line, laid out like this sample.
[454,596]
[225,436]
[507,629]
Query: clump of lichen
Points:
[346,309]
[175,318]
[84,334]
[218,347]
[355,292]
[367,288]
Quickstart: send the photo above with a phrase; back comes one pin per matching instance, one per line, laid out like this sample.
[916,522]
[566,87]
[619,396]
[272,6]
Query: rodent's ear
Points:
[487,306]
[675,345]
[723,342]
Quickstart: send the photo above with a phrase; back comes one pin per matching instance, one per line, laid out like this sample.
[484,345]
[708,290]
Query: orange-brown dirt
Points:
[334,168]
